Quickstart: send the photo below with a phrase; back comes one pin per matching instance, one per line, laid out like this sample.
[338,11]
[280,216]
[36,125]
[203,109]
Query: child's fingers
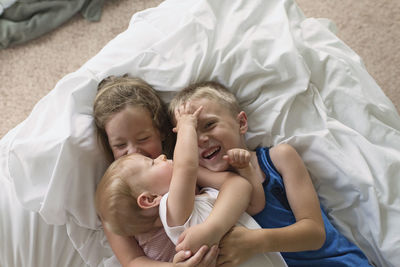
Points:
[238,158]
[182,256]
[197,112]
[181,109]
[244,156]
[247,156]
[185,108]
[179,246]
[198,256]
[233,155]
[177,112]
[210,259]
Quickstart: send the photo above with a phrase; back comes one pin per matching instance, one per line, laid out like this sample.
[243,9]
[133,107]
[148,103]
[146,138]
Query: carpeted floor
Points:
[30,71]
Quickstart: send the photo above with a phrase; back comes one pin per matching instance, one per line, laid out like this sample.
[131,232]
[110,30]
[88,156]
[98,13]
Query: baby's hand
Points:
[196,236]
[205,257]
[185,115]
[238,158]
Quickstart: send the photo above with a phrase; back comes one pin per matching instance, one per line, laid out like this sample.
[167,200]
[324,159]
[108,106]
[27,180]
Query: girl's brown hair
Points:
[115,93]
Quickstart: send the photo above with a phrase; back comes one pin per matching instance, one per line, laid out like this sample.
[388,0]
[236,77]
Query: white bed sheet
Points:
[296,80]
[25,239]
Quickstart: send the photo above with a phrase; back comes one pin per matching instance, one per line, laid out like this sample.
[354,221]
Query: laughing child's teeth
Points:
[211,153]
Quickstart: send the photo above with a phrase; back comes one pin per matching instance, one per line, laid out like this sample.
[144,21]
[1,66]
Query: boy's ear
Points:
[242,120]
[147,200]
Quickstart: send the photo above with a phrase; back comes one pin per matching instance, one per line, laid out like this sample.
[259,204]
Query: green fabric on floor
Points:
[29,19]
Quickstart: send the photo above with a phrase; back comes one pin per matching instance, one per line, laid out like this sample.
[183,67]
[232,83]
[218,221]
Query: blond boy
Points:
[292,219]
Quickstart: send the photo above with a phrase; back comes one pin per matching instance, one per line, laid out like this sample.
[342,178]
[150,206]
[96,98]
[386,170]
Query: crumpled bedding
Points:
[25,238]
[4,4]
[24,20]
[296,80]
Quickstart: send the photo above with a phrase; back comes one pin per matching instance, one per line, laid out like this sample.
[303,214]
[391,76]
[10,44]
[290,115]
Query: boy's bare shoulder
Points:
[281,154]
[282,150]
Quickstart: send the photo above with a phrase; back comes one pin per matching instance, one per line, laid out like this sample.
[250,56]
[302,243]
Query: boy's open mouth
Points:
[210,153]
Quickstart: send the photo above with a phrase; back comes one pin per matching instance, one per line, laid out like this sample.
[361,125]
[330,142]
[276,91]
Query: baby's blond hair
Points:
[116,200]
[209,90]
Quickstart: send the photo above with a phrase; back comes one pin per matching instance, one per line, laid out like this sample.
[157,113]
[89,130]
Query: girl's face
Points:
[132,131]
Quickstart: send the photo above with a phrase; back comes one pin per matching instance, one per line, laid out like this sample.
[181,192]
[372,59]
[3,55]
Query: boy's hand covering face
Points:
[238,158]
[184,114]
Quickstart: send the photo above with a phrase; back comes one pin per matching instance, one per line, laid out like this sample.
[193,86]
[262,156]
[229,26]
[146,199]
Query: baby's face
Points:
[132,131]
[155,174]
[218,131]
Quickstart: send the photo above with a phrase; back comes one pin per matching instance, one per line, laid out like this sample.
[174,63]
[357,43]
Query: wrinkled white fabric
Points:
[296,80]
[4,4]
[25,239]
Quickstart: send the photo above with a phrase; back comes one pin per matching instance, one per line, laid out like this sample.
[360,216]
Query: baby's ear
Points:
[242,120]
[147,200]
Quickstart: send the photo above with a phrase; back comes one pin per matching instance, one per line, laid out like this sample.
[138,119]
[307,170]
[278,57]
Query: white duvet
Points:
[296,80]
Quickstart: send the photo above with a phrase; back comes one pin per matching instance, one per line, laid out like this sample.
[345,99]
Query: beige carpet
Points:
[30,71]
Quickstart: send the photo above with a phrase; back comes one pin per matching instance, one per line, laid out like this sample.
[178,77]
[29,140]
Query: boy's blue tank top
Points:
[337,249]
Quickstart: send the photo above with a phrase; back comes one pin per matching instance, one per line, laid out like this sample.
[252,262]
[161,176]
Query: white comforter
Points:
[296,80]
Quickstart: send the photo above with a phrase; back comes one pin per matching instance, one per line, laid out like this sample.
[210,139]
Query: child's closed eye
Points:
[143,139]
[120,146]
[209,124]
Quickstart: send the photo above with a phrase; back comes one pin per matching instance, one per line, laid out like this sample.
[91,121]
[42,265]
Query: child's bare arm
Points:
[307,233]
[129,253]
[240,160]
[207,178]
[183,184]
[232,201]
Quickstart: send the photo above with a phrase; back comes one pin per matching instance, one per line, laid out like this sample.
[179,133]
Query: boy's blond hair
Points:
[210,90]
[116,200]
[115,93]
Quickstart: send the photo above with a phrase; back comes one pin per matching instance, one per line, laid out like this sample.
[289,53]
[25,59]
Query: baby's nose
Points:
[162,157]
